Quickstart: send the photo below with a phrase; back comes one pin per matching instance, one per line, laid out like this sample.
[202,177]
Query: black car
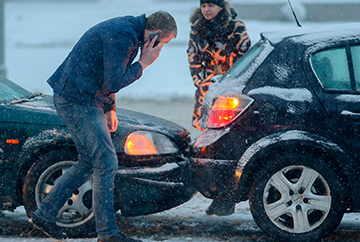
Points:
[283,131]
[36,148]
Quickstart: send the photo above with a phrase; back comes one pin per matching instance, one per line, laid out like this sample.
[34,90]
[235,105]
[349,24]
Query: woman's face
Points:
[210,10]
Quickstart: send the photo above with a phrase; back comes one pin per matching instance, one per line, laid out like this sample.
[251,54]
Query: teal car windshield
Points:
[10,91]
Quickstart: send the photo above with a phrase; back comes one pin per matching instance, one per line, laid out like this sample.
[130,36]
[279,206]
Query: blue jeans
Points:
[97,158]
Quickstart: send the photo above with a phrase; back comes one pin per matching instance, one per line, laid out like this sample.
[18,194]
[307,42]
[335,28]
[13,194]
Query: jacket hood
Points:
[229,11]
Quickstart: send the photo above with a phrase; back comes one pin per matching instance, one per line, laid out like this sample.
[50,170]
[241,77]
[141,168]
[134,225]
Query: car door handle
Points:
[351,115]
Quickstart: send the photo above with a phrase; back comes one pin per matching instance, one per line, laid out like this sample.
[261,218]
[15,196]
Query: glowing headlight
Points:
[149,143]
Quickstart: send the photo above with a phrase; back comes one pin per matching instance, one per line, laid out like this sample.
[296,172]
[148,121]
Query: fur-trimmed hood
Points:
[229,11]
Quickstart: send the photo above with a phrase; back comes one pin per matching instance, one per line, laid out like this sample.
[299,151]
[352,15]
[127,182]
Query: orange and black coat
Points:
[214,46]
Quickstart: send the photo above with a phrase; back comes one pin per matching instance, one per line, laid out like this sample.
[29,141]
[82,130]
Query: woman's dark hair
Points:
[163,21]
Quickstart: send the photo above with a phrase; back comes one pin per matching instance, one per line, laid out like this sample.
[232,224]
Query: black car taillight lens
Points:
[227,108]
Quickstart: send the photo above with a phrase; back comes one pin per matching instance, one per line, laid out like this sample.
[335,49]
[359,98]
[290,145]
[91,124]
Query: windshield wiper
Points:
[33,95]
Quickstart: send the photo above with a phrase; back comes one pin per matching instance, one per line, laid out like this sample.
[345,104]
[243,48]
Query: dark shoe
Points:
[50,229]
[120,237]
[220,208]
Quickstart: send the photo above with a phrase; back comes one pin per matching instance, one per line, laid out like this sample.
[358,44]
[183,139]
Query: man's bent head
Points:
[163,21]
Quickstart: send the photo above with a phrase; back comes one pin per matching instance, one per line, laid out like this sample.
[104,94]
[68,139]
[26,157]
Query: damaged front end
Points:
[153,173]
[146,190]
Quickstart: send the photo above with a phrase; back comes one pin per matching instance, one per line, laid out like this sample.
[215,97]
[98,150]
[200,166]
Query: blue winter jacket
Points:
[101,62]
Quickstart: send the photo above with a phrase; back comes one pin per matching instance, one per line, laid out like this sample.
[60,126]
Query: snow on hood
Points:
[26,105]
[141,121]
[43,103]
[46,137]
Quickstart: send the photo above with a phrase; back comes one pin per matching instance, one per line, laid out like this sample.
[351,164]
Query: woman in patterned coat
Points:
[217,41]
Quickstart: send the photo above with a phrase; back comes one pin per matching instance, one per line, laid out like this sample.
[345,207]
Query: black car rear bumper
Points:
[216,178]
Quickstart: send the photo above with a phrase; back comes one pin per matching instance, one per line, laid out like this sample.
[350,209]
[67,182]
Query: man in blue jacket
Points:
[100,64]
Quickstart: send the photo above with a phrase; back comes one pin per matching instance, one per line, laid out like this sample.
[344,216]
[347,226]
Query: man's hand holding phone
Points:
[157,40]
[151,50]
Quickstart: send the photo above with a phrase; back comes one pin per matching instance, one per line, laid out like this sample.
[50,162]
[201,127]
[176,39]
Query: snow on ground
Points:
[188,214]
[237,227]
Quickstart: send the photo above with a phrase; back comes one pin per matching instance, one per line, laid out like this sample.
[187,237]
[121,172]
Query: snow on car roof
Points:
[324,31]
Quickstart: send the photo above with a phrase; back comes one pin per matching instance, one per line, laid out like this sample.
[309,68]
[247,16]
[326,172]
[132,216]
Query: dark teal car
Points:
[36,148]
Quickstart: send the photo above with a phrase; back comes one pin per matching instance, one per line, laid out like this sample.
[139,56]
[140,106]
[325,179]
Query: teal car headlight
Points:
[149,143]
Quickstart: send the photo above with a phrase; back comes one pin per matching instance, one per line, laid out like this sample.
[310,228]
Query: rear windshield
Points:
[249,62]
[244,61]
[10,91]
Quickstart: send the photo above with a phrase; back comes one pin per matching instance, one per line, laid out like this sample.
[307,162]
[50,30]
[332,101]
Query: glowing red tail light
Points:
[226,109]
[12,141]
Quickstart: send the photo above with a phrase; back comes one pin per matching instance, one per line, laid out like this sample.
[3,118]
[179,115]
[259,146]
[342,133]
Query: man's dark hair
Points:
[163,21]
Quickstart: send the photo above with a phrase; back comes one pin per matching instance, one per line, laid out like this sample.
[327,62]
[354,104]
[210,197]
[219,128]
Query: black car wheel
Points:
[76,216]
[297,198]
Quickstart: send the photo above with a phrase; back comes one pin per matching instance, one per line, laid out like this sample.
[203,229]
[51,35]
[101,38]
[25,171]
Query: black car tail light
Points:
[12,141]
[227,108]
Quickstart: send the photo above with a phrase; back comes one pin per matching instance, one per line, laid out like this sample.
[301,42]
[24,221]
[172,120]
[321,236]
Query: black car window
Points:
[355,53]
[10,91]
[332,69]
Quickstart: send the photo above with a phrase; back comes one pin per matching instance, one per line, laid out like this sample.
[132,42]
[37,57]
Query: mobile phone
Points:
[152,35]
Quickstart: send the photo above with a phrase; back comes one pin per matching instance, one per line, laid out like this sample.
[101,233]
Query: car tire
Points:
[76,216]
[297,198]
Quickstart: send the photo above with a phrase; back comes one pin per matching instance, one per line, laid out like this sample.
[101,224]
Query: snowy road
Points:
[187,222]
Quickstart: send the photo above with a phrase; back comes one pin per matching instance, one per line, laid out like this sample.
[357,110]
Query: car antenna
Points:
[296,19]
